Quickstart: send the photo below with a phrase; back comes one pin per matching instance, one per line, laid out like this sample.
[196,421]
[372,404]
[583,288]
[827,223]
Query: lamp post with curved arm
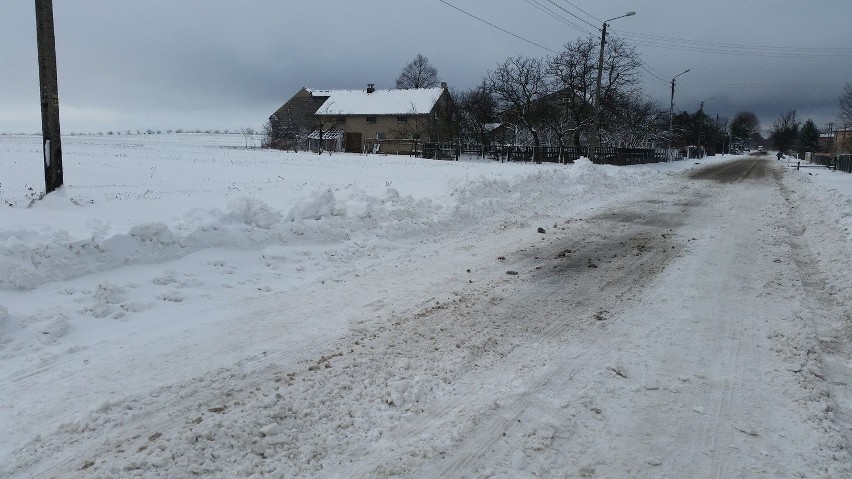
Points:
[671,111]
[597,123]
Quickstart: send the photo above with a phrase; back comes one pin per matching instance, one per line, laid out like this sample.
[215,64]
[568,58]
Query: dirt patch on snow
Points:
[748,169]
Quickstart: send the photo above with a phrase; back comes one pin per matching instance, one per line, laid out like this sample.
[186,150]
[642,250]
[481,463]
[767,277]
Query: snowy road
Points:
[687,332]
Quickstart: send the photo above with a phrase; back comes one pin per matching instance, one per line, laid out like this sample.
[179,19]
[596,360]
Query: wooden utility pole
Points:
[49,95]
[596,126]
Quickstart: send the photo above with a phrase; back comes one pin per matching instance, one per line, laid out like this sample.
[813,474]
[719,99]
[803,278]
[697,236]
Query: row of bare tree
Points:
[551,101]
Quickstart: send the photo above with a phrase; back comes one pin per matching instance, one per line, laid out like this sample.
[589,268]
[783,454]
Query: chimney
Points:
[443,85]
[371,87]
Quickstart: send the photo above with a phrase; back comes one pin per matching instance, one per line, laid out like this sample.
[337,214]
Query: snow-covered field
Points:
[185,306]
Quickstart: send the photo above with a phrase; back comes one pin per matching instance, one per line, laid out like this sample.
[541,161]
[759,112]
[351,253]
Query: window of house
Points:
[370,119]
[402,119]
[341,119]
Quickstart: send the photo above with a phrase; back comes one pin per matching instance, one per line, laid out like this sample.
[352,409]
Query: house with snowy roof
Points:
[369,120]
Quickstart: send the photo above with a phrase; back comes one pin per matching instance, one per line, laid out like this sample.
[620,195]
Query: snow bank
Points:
[826,198]
[32,258]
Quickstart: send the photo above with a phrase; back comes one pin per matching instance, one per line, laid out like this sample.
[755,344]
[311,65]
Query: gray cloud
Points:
[214,64]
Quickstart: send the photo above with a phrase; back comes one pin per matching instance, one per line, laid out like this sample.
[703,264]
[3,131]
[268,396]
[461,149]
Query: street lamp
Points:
[596,129]
[671,111]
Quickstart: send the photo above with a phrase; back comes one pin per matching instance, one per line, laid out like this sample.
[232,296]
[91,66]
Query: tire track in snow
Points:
[719,346]
[613,285]
[171,418]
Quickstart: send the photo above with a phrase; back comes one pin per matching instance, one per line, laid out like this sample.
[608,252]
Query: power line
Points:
[587,13]
[653,75]
[687,97]
[730,45]
[560,7]
[658,72]
[822,68]
[499,28]
[682,44]
[768,85]
[736,53]
[733,49]
[550,12]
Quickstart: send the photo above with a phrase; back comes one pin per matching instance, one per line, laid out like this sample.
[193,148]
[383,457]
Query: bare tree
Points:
[326,119]
[412,126]
[419,73]
[785,132]
[519,85]
[248,136]
[573,74]
[477,112]
[845,114]
[638,122]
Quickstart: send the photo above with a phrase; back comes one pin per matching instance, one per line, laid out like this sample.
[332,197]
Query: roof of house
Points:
[379,102]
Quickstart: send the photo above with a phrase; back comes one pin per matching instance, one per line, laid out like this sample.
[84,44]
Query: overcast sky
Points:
[167,64]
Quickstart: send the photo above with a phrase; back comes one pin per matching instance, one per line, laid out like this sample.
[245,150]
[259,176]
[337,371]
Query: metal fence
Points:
[844,163]
[837,162]
[440,151]
[602,155]
[552,154]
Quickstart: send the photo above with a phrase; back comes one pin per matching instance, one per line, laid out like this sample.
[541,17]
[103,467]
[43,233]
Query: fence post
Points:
[798,164]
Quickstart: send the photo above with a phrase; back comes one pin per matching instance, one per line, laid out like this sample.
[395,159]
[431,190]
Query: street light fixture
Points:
[597,124]
[671,111]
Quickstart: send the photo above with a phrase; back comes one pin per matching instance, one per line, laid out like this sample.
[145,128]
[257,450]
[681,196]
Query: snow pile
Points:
[32,258]
[822,229]
[828,196]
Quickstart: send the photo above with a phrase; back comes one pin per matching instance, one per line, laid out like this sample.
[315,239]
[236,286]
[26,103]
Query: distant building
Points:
[842,141]
[380,121]
[826,142]
[836,141]
[294,121]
